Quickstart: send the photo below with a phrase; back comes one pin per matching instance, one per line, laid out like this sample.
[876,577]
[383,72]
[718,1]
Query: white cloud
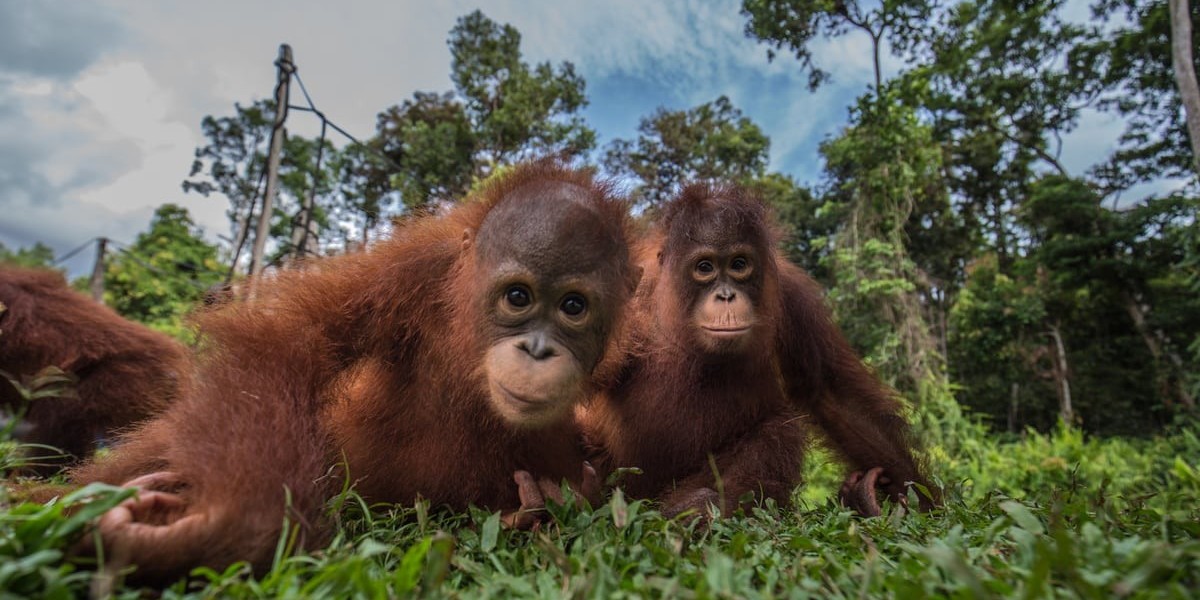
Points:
[102,129]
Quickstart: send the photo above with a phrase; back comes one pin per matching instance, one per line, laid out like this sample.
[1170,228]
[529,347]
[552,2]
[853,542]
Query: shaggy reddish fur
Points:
[126,372]
[368,361]
[717,429]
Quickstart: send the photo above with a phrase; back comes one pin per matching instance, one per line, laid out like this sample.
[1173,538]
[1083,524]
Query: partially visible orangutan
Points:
[733,355]
[443,363]
[126,372]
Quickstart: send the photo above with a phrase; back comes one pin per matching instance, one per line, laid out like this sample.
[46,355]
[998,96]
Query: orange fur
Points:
[372,358]
[126,372]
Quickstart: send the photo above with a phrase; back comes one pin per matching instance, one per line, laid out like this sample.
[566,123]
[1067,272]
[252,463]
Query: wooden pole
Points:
[97,281]
[282,92]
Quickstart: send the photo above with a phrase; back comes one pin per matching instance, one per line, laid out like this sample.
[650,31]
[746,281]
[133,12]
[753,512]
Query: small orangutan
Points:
[442,363]
[733,352]
[125,372]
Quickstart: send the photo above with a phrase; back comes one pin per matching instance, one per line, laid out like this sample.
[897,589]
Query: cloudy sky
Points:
[101,101]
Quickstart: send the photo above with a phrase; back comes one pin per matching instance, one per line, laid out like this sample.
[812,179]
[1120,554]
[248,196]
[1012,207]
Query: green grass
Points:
[1054,515]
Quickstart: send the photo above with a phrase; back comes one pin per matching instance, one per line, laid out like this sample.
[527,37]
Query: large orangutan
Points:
[734,354]
[441,363]
[126,372]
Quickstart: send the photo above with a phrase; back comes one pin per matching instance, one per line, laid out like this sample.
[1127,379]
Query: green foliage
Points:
[164,274]
[808,225]
[37,255]
[792,25]
[233,163]
[516,110]
[995,333]
[711,141]
[235,156]
[36,539]
[1110,284]
[880,170]
[432,141]
[1131,67]
[503,110]
[49,382]
[1060,514]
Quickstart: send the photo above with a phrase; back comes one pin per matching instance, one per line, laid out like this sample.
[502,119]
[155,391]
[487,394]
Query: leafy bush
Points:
[1058,514]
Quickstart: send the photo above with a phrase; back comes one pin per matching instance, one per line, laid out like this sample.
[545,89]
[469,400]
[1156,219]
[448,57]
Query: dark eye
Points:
[518,296]
[739,264]
[705,267]
[573,305]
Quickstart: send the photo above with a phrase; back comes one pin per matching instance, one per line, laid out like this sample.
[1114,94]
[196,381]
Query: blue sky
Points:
[101,102]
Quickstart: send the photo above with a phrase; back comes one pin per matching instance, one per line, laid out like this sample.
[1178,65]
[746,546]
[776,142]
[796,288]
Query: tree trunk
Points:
[242,234]
[878,73]
[1185,72]
[1013,406]
[1155,343]
[1065,412]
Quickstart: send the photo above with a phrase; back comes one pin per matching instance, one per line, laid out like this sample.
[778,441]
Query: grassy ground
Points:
[1044,516]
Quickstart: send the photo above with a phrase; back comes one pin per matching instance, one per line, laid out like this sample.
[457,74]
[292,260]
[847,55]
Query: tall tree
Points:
[364,191]
[37,255]
[1137,73]
[298,220]
[502,110]
[516,110]
[432,145]
[1002,91]
[232,164]
[881,169]
[792,24]
[164,274]
[1118,257]
[1183,63]
[711,141]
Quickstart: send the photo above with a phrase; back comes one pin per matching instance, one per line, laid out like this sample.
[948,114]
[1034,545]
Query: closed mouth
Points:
[727,330]
[519,398]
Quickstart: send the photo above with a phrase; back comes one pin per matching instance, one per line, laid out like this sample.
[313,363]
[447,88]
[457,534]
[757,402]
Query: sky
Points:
[101,101]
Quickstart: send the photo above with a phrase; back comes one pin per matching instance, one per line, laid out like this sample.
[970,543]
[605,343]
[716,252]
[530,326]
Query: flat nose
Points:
[537,347]
[726,294]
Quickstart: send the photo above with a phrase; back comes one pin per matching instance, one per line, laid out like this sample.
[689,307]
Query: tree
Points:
[881,169]
[306,172]
[164,274]
[232,164]
[1183,63]
[1135,69]
[432,144]
[1002,85]
[515,110]
[364,190]
[1097,315]
[711,141]
[793,24]
[502,111]
[38,255]
[1120,259]
[998,351]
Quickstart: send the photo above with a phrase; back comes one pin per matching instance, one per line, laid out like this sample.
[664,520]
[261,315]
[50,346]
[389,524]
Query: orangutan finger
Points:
[528,491]
[551,490]
[161,481]
[590,488]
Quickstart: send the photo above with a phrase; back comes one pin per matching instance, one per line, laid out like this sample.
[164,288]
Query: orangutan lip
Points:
[727,330]
[519,398]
